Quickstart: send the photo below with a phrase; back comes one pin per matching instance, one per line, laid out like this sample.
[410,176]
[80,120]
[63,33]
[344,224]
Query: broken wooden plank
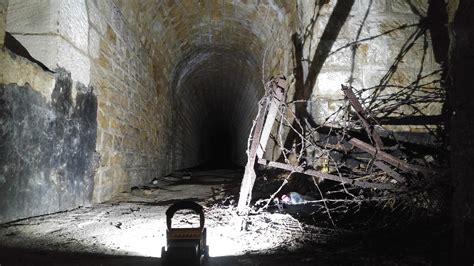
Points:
[345,180]
[277,87]
[402,165]
[389,171]
[362,114]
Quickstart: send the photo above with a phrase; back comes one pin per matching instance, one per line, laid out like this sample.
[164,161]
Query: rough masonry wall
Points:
[132,113]
[91,40]
[47,137]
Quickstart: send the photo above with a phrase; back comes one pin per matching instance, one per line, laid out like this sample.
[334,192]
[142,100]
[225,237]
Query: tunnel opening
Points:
[216,91]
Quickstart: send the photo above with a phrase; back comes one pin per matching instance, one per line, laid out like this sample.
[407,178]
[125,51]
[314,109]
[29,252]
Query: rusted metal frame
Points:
[386,168]
[262,130]
[345,180]
[362,114]
[381,155]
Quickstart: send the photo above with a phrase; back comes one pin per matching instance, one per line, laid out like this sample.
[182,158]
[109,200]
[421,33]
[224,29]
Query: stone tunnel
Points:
[101,96]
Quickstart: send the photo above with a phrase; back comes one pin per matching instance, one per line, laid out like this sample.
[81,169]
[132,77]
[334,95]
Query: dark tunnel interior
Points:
[217,90]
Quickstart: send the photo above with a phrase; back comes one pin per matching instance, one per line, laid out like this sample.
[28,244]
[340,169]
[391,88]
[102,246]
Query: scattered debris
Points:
[370,167]
[118,225]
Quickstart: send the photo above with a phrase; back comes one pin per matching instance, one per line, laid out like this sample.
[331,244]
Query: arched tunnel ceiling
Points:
[209,55]
[179,27]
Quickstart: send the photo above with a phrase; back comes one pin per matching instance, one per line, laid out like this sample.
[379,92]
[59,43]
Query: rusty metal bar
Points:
[345,180]
[402,165]
[386,168]
[362,114]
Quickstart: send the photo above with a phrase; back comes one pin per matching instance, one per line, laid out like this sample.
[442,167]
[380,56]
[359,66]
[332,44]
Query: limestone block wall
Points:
[92,41]
[132,110]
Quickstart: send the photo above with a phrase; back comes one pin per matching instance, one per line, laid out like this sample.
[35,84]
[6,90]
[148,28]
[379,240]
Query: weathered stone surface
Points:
[18,70]
[54,51]
[48,149]
[73,60]
[54,32]
[94,43]
[372,7]
[73,24]
[3,19]
[417,7]
[41,47]
[328,84]
[373,54]
[95,18]
[35,16]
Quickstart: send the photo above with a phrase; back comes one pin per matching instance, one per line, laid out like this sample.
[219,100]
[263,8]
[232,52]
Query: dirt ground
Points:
[130,230]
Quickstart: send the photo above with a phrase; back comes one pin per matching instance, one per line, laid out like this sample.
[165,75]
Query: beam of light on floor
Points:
[144,239]
[147,239]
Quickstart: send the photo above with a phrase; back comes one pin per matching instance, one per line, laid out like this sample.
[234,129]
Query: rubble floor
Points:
[130,230]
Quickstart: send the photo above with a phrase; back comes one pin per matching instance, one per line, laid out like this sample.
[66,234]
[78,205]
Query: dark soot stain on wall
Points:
[47,149]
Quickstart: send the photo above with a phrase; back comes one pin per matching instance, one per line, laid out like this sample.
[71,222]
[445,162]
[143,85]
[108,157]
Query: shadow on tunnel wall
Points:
[390,103]
[304,86]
